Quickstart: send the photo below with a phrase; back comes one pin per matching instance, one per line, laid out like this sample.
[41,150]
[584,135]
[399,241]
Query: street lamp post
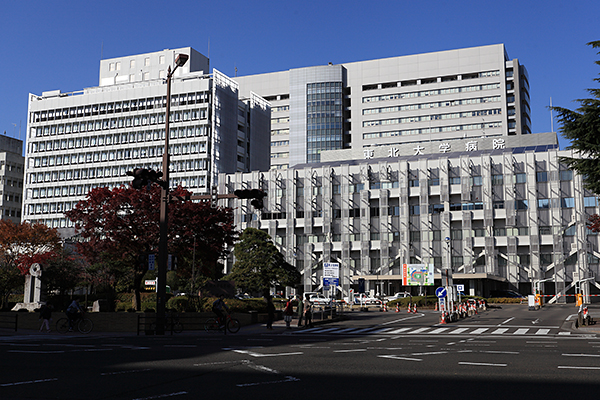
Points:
[161,295]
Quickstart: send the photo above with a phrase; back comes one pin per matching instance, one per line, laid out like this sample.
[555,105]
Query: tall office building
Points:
[11,176]
[80,140]
[417,98]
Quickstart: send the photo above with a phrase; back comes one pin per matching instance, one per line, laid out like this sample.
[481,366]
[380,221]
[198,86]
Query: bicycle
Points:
[82,324]
[231,324]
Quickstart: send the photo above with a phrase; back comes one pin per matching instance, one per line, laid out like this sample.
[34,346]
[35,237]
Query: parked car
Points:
[364,299]
[399,295]
[318,298]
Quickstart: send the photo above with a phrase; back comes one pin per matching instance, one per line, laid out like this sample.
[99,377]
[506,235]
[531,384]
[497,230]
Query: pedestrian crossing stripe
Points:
[431,330]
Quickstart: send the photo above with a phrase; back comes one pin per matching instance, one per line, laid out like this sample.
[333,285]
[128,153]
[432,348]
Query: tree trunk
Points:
[137,298]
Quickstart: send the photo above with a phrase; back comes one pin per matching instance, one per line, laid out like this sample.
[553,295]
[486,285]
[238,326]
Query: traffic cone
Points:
[397,307]
[415,308]
[385,307]
[408,308]
[442,318]
[436,307]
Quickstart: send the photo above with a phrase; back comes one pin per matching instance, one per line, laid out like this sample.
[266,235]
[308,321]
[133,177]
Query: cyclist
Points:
[217,307]
[74,311]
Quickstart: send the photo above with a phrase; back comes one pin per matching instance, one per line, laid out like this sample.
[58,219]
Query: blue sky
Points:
[49,45]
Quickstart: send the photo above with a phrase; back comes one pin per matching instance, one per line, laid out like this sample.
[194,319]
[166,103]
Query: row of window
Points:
[450,128]
[421,118]
[436,92]
[119,123]
[424,81]
[117,155]
[438,104]
[112,171]
[10,167]
[120,106]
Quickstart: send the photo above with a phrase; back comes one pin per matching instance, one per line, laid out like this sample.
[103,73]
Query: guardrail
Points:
[9,321]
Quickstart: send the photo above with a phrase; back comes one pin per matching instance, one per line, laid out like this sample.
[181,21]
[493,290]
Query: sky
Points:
[50,45]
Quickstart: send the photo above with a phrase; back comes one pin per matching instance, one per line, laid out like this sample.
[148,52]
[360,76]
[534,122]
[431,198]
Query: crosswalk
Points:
[432,330]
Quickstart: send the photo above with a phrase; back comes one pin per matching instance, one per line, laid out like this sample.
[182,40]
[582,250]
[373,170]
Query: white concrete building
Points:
[362,105]
[12,164]
[501,212]
[81,140]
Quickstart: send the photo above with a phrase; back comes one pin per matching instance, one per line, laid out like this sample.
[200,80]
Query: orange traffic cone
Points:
[397,307]
[436,307]
[385,307]
[408,308]
[415,308]
[443,318]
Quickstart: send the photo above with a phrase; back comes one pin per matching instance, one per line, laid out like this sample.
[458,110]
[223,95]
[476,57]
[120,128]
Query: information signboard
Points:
[417,274]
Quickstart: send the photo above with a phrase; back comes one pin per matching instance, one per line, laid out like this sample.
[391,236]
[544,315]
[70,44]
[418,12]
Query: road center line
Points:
[400,358]
[581,355]
[574,367]
[161,396]
[348,351]
[507,321]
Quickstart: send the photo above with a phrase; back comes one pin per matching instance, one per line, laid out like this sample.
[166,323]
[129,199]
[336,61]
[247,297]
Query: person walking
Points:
[270,312]
[288,313]
[307,313]
[300,311]
[46,317]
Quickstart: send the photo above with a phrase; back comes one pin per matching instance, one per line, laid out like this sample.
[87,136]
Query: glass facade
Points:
[324,124]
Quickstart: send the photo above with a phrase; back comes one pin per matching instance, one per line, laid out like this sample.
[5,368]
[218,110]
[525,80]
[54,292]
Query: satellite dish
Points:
[35,270]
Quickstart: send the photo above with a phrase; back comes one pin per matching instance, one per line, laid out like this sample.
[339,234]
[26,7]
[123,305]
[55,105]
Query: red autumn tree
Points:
[120,227]
[20,246]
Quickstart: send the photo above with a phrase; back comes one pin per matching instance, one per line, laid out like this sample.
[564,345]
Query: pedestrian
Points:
[288,313]
[46,317]
[300,311]
[270,312]
[307,312]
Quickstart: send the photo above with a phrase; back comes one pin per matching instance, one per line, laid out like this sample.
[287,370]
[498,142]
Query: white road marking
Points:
[521,331]
[36,352]
[574,367]
[542,331]
[479,331]
[253,354]
[482,364]
[28,382]
[399,330]
[418,330]
[439,330]
[348,351]
[161,396]
[507,321]
[581,355]
[287,379]
[500,352]
[499,331]
[400,358]
[457,331]
[124,372]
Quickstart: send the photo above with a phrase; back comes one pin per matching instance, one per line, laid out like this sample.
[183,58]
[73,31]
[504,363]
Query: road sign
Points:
[331,281]
[331,270]
[460,288]
[441,292]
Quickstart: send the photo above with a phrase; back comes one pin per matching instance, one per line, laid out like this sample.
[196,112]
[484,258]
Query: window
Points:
[413,183]
[566,175]
[521,204]
[590,202]
[567,202]
[498,204]
[414,210]
[476,181]
[436,208]
[520,178]
[542,176]
[545,230]
[454,180]
[456,234]
[543,203]
[497,180]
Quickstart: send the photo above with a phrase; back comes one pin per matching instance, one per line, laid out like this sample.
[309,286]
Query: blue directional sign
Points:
[441,292]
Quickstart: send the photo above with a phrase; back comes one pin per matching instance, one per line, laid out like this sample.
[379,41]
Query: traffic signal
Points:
[140,177]
[256,195]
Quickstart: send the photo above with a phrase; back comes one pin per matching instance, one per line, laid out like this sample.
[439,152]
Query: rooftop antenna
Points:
[551,117]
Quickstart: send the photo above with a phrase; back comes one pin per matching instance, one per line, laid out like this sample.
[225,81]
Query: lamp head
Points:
[181,59]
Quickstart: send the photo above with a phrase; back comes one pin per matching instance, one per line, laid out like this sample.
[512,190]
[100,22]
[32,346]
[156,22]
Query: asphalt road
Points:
[502,353]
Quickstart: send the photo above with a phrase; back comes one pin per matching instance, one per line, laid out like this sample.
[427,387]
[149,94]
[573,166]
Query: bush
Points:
[505,300]
[179,303]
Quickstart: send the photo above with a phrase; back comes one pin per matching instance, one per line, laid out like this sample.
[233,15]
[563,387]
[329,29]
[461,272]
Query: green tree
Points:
[582,127]
[259,265]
